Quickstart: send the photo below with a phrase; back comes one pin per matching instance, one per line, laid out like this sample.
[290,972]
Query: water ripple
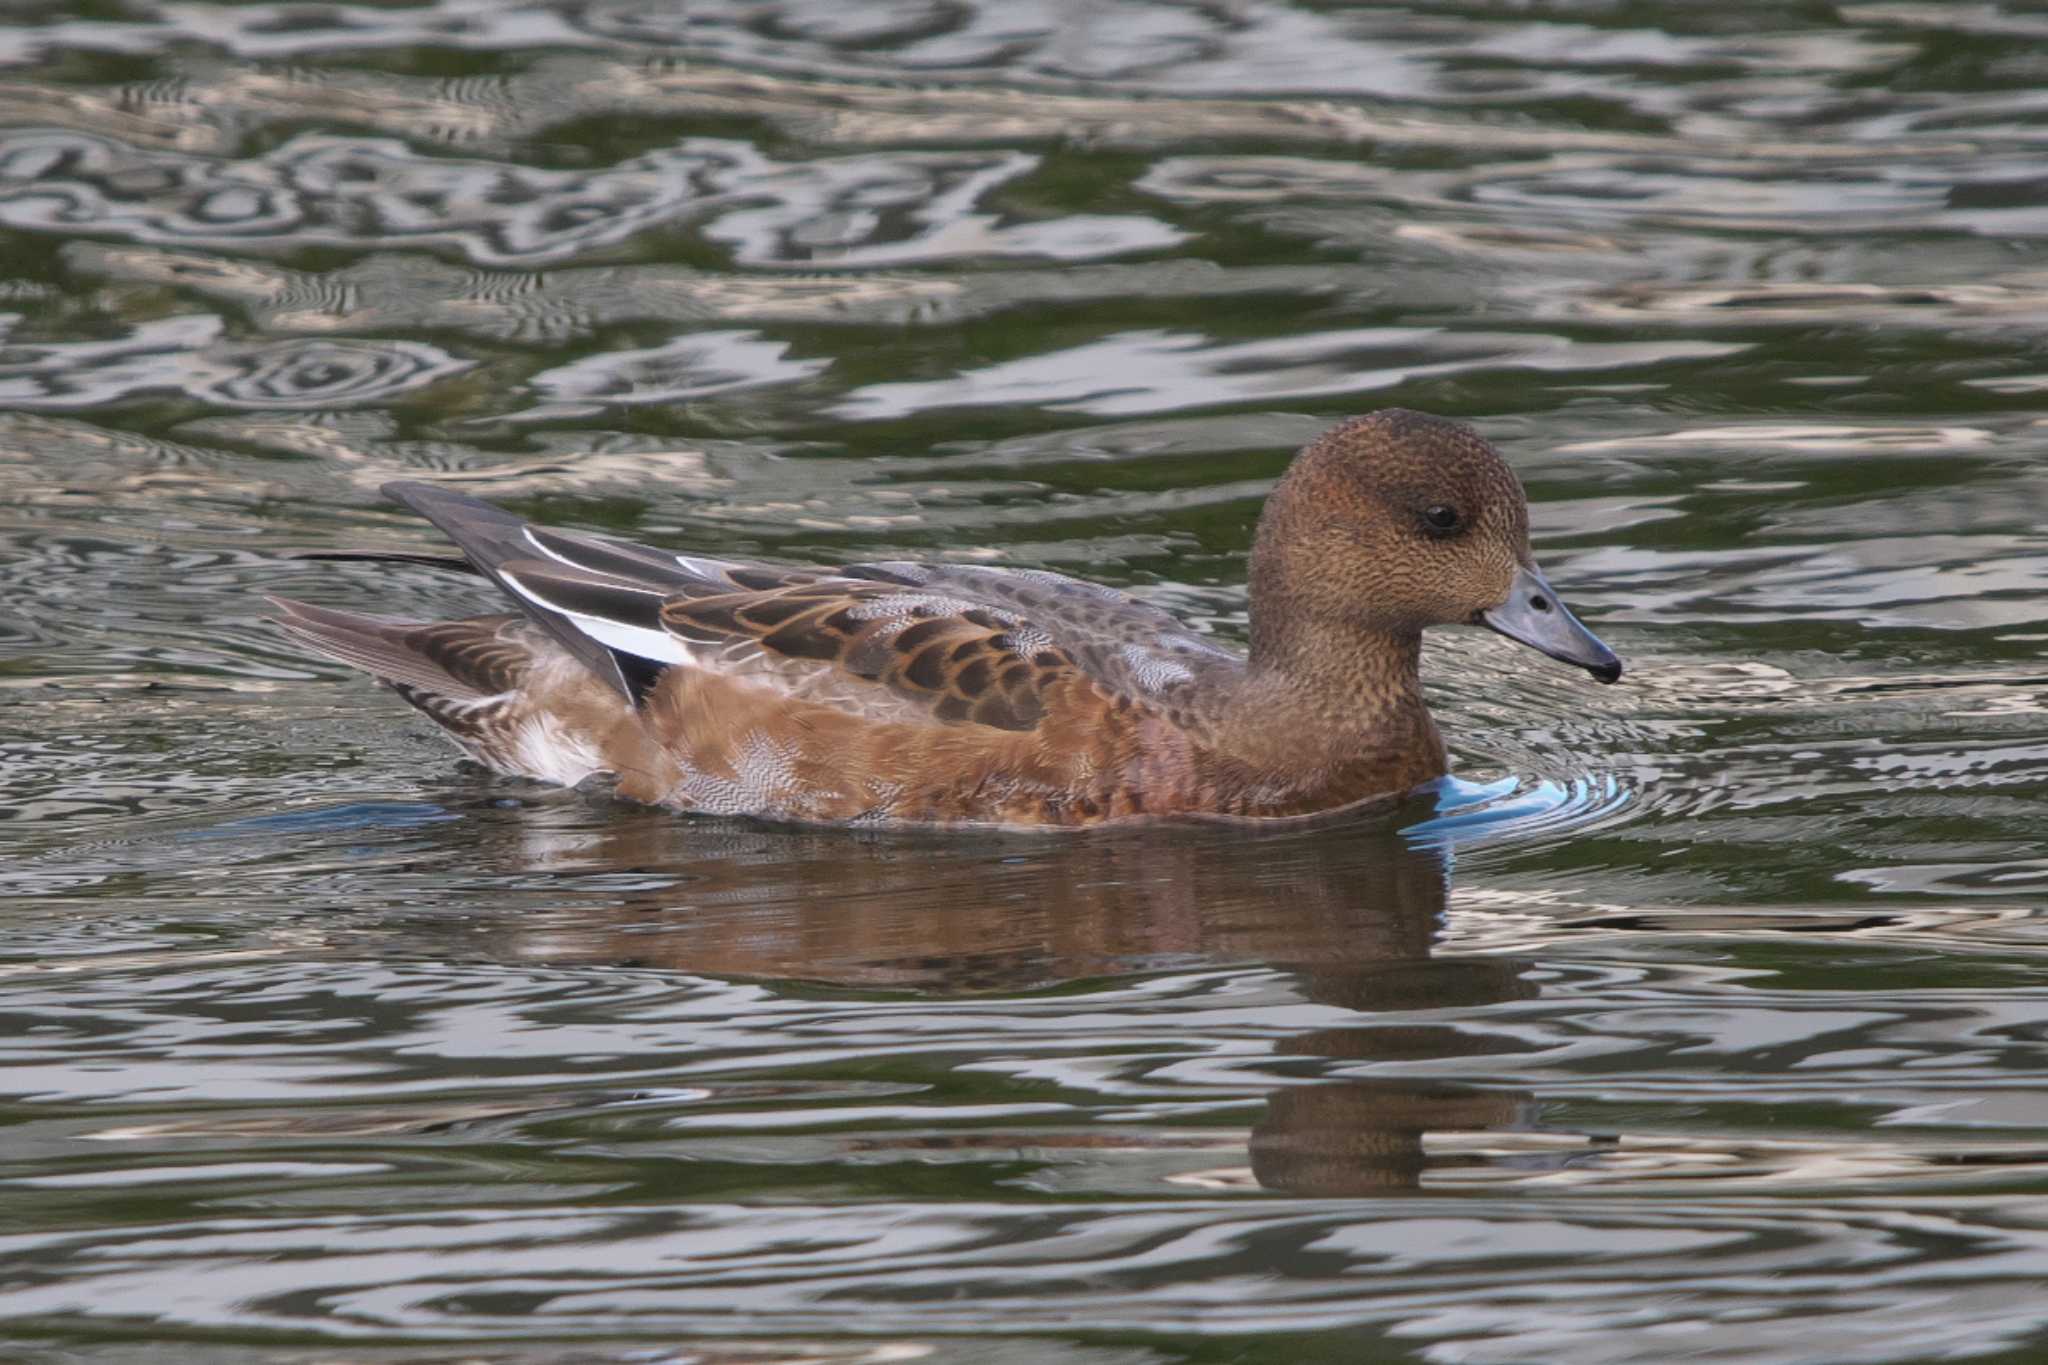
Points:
[1697,1016]
[1512,810]
[1151,371]
[187,355]
[335,191]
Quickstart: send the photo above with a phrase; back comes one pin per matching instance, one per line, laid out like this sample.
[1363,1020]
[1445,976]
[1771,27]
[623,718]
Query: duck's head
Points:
[1395,521]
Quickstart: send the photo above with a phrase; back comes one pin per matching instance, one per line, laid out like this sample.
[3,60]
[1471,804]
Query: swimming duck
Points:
[903,693]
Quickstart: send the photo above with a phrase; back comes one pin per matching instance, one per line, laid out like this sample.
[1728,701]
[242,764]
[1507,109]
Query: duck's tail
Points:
[470,661]
[493,684]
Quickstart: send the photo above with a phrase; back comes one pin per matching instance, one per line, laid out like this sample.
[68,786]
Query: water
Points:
[1703,1017]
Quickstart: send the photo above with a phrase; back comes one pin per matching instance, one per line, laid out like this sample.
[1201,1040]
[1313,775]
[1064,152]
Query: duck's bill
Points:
[1533,616]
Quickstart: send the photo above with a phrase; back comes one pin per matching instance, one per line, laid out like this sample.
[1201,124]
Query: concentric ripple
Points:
[1517,811]
[187,355]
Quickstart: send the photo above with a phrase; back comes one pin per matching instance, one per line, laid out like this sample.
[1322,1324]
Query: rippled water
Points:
[1702,1018]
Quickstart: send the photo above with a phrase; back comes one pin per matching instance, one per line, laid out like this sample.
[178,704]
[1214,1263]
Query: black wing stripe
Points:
[495,539]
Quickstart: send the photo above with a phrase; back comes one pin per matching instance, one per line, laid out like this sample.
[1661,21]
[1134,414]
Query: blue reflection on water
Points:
[1472,812]
[327,819]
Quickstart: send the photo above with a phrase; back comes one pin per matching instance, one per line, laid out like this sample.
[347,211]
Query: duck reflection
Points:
[1349,913]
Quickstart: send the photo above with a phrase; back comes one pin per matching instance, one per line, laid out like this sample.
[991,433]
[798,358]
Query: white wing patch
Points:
[640,641]
[657,645]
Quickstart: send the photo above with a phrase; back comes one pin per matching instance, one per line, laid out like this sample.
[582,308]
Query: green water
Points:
[1704,1020]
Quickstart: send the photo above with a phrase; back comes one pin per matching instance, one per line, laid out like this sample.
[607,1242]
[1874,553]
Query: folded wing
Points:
[941,643]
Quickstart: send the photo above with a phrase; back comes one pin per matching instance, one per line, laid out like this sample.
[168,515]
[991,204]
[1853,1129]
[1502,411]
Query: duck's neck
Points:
[1324,718]
[1330,711]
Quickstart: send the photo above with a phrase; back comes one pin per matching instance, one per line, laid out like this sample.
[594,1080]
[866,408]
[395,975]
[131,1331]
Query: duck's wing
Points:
[614,587]
[943,643]
[955,645]
[1127,647]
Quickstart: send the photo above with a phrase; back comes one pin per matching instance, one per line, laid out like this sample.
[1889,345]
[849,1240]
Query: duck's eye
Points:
[1442,518]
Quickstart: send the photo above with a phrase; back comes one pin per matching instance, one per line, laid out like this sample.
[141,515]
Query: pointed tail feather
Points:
[465,661]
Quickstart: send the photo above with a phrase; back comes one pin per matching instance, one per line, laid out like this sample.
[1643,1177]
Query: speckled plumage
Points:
[935,693]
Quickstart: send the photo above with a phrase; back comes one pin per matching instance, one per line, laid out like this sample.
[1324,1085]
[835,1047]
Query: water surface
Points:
[1702,1018]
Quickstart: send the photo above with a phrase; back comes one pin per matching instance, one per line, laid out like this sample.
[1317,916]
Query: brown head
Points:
[1395,521]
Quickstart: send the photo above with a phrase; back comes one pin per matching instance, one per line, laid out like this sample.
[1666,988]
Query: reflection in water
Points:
[696,366]
[1347,915]
[1149,372]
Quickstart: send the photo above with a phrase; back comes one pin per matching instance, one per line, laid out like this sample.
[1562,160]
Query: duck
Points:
[938,693]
